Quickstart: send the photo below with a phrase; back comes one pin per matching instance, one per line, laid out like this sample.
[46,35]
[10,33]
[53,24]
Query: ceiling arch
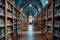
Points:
[30,13]
[36,3]
[23,4]
[30,8]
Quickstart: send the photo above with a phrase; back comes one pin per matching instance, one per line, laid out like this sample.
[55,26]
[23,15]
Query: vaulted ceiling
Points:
[29,6]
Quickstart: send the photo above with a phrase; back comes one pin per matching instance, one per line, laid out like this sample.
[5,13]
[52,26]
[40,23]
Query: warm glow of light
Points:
[30,5]
[21,9]
[39,9]
[30,19]
[30,32]
[46,2]
[30,28]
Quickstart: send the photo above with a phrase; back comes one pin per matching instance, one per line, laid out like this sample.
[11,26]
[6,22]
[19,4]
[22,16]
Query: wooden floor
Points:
[30,36]
[34,35]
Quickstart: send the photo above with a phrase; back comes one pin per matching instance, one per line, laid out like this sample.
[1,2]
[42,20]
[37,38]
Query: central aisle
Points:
[30,34]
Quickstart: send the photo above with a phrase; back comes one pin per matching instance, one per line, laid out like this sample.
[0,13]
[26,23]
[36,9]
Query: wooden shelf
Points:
[54,16]
[8,6]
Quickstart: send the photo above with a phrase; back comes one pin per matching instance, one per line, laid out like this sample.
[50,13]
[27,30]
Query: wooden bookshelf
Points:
[52,21]
[38,22]
[9,18]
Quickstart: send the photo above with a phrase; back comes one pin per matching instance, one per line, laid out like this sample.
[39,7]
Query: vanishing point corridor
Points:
[30,34]
[29,19]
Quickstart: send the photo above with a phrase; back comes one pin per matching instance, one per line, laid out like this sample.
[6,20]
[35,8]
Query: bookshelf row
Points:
[9,20]
[38,22]
[51,19]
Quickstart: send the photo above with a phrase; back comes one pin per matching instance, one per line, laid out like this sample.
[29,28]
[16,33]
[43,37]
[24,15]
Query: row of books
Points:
[49,14]
[18,15]
[9,14]
[57,2]
[13,1]
[15,32]
[49,23]
[1,32]
[1,22]
[9,6]
[9,29]
[15,26]
[9,37]
[2,1]
[15,21]
[9,22]
[56,32]
[57,12]
[49,8]
[57,23]
[15,13]
[1,11]
[45,16]
[49,29]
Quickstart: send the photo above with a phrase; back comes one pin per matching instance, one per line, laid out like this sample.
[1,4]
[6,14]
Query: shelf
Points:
[9,14]
[10,37]
[57,3]
[1,33]
[57,23]
[10,7]
[56,32]
[2,2]
[57,12]
[1,22]
[49,32]
[15,13]
[10,11]
[2,37]
[9,30]
[57,35]
[15,26]
[9,22]
[1,11]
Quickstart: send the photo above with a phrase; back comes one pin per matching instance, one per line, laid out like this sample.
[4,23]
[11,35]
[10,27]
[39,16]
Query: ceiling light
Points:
[21,9]
[39,9]
[46,2]
[30,5]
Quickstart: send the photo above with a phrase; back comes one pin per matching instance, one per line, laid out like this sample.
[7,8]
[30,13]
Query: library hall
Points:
[29,19]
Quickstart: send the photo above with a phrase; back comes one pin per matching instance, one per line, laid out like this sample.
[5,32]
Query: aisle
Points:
[30,34]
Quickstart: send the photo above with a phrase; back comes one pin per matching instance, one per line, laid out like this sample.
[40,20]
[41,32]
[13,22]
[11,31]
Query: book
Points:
[10,7]
[1,32]
[1,11]
[2,1]
[9,14]
[9,29]
[1,22]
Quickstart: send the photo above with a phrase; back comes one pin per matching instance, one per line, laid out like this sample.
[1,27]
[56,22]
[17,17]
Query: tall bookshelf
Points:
[52,19]
[38,22]
[9,16]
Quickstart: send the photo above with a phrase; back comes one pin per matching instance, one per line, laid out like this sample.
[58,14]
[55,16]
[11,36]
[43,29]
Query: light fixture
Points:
[46,1]
[30,5]
[21,9]
[39,9]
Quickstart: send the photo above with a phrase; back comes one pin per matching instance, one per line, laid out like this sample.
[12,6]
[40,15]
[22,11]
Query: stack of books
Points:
[9,6]
[1,11]
[1,32]
[1,22]
[9,29]
[15,27]
[9,14]
[57,12]
[9,22]
[57,23]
